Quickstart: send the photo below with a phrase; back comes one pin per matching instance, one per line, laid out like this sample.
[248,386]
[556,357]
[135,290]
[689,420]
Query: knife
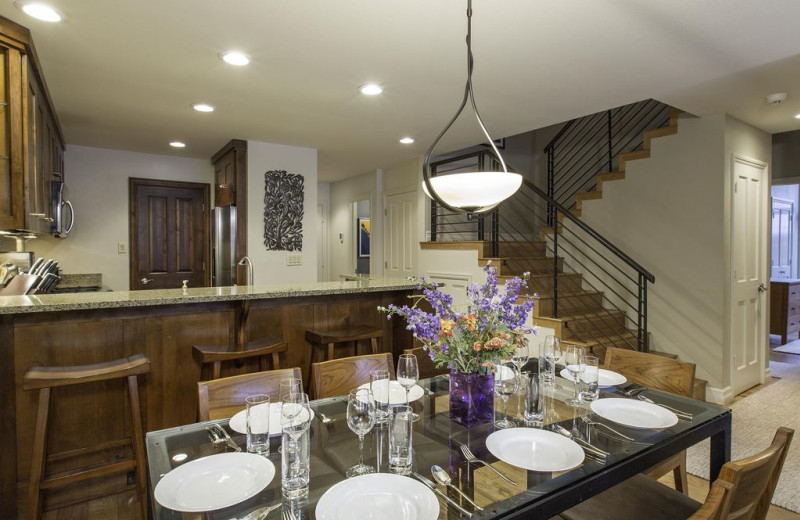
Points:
[38,263]
[449,500]
[580,442]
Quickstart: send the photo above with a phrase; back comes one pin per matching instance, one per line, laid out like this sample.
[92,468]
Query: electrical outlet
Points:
[293,259]
[122,247]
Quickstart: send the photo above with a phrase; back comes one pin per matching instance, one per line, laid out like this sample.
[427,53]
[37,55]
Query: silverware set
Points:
[589,449]
[219,436]
[590,422]
[446,498]
[472,458]
[685,416]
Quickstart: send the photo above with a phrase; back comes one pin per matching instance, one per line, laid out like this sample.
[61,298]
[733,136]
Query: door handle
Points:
[762,288]
[146,281]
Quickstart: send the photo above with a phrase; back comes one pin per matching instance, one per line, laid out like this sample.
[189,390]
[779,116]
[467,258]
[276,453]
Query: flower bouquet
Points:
[470,341]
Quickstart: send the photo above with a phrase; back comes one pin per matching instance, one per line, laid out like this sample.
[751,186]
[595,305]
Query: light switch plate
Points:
[122,247]
[294,259]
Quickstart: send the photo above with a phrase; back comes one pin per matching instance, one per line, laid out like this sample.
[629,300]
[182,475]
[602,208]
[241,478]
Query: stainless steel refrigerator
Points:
[224,246]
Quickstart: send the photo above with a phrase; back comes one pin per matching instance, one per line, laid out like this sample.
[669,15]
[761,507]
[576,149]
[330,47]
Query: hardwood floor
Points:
[125,506]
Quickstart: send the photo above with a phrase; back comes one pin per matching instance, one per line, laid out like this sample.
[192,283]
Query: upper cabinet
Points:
[230,187]
[31,141]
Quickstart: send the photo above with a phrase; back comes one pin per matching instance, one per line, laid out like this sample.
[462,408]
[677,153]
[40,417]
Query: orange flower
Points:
[477,346]
[447,327]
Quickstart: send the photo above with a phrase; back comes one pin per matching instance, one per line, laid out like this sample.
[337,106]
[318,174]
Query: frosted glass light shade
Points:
[475,190]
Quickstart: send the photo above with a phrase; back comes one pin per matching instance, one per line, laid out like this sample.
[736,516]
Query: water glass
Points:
[289,386]
[360,419]
[408,374]
[379,384]
[505,384]
[534,397]
[549,355]
[401,421]
[591,376]
[295,463]
[575,359]
[257,423]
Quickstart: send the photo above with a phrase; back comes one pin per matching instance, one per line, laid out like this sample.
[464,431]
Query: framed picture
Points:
[363,237]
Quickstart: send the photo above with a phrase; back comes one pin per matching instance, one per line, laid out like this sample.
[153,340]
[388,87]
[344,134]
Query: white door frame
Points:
[765,194]
[325,253]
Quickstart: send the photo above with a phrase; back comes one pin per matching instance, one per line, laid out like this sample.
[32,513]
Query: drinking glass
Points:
[290,386]
[534,398]
[295,454]
[400,430]
[591,376]
[575,359]
[408,374]
[551,353]
[360,419]
[257,421]
[380,387]
[295,414]
[519,357]
[505,384]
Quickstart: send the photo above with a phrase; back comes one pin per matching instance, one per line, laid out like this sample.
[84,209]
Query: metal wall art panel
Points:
[283,211]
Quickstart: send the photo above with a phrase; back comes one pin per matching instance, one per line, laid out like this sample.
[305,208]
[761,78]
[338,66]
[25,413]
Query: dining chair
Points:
[426,367]
[224,397]
[339,376]
[750,482]
[661,373]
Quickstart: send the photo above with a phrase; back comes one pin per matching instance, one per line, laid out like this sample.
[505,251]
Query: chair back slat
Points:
[225,397]
[651,370]
[339,376]
[754,478]
[717,504]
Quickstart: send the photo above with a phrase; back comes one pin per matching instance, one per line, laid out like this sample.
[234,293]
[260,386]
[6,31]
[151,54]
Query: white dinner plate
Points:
[238,422]
[397,393]
[214,482]
[605,378]
[636,414]
[534,449]
[380,495]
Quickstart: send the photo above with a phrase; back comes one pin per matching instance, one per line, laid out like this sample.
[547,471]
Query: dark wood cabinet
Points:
[230,187]
[784,307]
[31,141]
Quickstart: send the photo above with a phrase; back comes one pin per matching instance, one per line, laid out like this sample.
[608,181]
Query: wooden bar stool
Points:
[261,348]
[331,337]
[46,378]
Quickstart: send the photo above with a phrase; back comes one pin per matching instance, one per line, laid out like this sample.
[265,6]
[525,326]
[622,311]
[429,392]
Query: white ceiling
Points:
[123,73]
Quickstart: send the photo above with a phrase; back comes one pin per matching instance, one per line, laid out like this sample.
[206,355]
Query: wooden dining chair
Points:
[426,367]
[661,373]
[750,483]
[224,397]
[339,376]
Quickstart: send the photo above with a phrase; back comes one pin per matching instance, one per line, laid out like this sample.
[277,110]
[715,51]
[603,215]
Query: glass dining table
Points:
[438,441]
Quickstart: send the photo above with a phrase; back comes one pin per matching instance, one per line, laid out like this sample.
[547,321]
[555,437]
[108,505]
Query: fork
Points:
[231,443]
[324,418]
[590,422]
[261,512]
[288,514]
[472,458]
[680,413]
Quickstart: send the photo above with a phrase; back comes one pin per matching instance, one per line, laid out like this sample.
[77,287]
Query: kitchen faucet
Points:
[246,261]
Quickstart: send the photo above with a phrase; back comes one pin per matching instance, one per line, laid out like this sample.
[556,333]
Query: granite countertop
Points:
[120,299]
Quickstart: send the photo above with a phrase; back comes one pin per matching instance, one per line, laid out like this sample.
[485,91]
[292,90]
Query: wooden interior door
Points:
[749,261]
[169,234]
[400,238]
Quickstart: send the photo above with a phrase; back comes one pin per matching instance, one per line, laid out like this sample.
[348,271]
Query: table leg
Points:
[720,452]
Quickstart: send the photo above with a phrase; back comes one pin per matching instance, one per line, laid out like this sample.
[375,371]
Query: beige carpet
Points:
[755,420]
[793,347]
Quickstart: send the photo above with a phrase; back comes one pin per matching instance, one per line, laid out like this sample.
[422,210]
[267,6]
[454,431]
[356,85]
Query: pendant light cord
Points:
[468,94]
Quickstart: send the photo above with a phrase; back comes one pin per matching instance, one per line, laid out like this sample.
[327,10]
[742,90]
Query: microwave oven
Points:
[63,212]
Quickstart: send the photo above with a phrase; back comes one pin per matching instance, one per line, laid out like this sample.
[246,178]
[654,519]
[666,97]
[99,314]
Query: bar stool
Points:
[46,378]
[261,348]
[331,337]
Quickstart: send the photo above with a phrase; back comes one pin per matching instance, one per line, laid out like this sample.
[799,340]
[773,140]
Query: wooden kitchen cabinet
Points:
[784,307]
[31,141]
[230,187]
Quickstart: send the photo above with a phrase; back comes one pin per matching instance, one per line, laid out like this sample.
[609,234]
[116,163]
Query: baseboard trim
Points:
[719,395]
[767,373]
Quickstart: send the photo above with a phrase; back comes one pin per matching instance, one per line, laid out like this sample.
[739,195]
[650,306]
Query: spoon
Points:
[443,477]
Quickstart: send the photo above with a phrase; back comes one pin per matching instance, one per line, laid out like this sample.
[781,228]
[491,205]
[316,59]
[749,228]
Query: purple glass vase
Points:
[471,398]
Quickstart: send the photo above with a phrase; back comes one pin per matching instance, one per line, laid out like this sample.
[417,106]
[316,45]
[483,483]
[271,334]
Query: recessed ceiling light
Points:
[203,107]
[40,11]
[797,116]
[177,144]
[370,89]
[235,58]
[407,140]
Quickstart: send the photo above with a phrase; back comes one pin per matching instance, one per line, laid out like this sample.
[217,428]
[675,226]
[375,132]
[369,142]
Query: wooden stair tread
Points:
[632,156]
[481,246]
[663,131]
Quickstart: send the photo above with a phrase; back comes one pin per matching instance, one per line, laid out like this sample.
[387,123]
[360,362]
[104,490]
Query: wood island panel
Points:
[84,417]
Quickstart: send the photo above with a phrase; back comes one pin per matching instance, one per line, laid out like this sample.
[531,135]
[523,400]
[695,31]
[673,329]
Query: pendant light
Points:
[474,192]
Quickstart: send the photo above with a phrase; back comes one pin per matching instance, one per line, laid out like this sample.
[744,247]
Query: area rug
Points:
[793,347]
[785,370]
[756,418]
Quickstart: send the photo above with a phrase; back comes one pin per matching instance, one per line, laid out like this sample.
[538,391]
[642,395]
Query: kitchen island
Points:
[86,328]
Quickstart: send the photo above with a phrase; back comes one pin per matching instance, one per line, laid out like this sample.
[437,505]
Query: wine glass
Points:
[295,417]
[360,419]
[288,386]
[505,384]
[519,357]
[551,351]
[408,374]
[575,359]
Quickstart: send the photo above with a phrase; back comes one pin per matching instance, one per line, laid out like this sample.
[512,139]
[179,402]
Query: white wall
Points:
[342,223]
[270,266]
[97,185]
[324,200]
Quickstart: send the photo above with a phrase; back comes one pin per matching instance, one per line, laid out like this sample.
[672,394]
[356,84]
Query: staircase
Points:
[590,293]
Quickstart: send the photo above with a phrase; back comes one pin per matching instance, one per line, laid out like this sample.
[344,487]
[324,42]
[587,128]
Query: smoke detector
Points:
[777,98]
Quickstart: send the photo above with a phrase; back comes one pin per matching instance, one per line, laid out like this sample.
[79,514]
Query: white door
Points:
[782,219]
[749,265]
[322,244]
[400,225]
